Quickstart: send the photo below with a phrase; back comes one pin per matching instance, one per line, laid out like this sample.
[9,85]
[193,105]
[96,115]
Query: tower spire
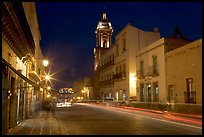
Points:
[104,12]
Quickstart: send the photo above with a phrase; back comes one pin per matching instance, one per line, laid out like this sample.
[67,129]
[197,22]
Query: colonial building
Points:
[114,65]
[184,77]
[169,72]
[151,70]
[106,82]
[103,32]
[22,67]
[128,41]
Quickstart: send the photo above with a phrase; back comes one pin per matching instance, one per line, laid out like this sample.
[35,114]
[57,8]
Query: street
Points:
[89,119]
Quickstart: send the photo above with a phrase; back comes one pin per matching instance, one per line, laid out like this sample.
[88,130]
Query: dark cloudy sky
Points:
[68,30]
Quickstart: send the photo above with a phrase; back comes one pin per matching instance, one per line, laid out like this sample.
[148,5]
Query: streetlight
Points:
[48,88]
[45,63]
[48,95]
[47,77]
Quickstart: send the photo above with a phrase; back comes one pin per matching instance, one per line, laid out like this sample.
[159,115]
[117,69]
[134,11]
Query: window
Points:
[124,68]
[189,95]
[120,69]
[104,44]
[124,96]
[142,92]
[116,69]
[141,68]
[112,59]
[117,49]
[171,94]
[124,44]
[155,92]
[148,92]
[109,94]
[189,84]
[155,65]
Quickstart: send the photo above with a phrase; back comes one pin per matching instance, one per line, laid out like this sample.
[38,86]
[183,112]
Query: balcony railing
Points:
[35,71]
[120,75]
[106,65]
[107,82]
[190,97]
[153,71]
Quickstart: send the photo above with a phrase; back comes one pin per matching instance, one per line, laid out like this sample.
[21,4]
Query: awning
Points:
[19,74]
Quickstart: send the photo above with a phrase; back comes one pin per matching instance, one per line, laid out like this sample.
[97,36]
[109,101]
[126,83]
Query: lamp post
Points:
[47,77]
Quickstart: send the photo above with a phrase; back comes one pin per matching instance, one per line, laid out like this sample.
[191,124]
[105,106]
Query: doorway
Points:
[148,92]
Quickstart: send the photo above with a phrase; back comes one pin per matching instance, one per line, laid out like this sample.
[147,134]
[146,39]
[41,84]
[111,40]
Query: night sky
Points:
[68,30]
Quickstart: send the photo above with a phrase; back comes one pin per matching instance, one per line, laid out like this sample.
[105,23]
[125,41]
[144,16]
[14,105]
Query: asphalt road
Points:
[84,119]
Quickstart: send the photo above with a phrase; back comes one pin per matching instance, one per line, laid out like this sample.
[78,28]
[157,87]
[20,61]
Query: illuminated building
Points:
[151,70]
[115,64]
[106,81]
[168,72]
[184,77]
[21,64]
[128,41]
[103,43]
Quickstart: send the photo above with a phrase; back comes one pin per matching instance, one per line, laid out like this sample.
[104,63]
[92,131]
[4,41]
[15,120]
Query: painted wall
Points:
[145,55]
[182,63]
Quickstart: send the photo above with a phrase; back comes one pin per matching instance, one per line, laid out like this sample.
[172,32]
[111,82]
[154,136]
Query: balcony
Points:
[106,65]
[190,97]
[153,71]
[107,82]
[119,76]
[34,72]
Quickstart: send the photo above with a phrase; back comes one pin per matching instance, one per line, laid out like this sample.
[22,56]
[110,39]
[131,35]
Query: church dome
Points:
[104,23]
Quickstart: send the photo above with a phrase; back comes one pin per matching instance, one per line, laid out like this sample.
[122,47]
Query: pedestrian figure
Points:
[38,107]
[53,108]
[48,107]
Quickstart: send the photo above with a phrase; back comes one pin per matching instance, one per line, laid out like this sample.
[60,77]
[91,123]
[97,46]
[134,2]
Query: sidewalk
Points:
[42,125]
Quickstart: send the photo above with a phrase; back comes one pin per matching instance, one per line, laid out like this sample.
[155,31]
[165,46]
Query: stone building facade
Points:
[22,68]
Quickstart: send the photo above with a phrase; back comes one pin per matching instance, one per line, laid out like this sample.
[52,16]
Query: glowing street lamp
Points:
[47,77]
[48,88]
[45,63]
[48,95]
